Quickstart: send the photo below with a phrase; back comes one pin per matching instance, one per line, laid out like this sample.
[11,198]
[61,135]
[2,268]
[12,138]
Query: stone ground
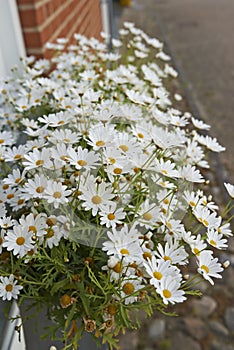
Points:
[199,36]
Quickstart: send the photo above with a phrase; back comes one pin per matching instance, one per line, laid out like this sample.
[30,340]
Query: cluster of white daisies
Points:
[96,140]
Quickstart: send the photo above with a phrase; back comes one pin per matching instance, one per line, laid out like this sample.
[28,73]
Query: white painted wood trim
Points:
[11,39]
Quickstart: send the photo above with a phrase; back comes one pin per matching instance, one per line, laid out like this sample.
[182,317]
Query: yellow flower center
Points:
[124,251]
[206,223]
[118,267]
[8,287]
[192,204]
[17,157]
[51,221]
[117,171]
[169,225]
[32,228]
[20,240]
[140,135]
[1,141]
[17,180]
[167,258]
[39,162]
[50,233]
[166,201]
[124,148]
[30,252]
[212,242]
[82,162]
[20,201]
[5,187]
[205,268]
[111,216]
[57,194]
[147,255]
[1,240]
[147,216]
[40,189]
[157,275]
[128,288]
[64,158]
[166,293]
[96,200]
[100,143]
[196,251]
[165,172]
[10,196]
[112,160]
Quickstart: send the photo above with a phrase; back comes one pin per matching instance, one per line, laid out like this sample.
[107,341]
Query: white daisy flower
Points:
[206,217]
[173,252]
[199,124]
[123,245]
[166,168]
[9,288]
[230,189]
[197,245]
[215,239]
[15,153]
[225,229]
[163,56]
[37,159]
[101,136]
[83,159]
[111,216]
[96,196]
[6,222]
[53,236]
[190,173]
[35,188]
[148,214]
[56,193]
[6,138]
[169,290]
[208,266]
[36,224]
[56,119]
[130,287]
[211,143]
[13,179]
[19,240]
[64,135]
[157,269]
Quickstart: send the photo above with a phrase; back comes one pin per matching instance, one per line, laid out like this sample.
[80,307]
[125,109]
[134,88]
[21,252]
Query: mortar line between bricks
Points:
[194,105]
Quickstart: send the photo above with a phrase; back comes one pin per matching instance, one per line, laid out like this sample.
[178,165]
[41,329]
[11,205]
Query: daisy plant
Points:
[104,200]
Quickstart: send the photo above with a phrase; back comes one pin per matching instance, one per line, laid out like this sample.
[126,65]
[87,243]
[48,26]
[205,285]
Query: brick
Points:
[32,39]
[60,18]
[31,17]
[28,18]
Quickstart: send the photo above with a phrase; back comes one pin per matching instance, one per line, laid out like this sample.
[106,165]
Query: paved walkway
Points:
[200,37]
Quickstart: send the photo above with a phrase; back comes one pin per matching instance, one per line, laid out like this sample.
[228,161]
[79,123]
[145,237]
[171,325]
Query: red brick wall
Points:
[47,20]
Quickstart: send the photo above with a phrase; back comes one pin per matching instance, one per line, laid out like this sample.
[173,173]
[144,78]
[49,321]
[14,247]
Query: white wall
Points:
[11,39]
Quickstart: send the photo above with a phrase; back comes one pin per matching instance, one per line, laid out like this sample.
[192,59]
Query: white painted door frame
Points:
[11,38]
